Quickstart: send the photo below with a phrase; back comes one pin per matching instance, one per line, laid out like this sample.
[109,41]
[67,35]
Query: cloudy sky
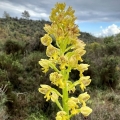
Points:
[98,17]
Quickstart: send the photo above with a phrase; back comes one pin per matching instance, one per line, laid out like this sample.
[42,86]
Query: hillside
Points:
[21,75]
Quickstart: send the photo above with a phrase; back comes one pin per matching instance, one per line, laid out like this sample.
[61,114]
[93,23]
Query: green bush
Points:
[10,69]
[109,74]
[14,46]
[111,45]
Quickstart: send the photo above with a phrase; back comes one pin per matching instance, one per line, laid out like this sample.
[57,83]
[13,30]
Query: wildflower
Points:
[78,44]
[83,97]
[65,56]
[79,52]
[84,81]
[72,104]
[46,40]
[73,61]
[54,96]
[82,67]
[45,89]
[61,115]
[52,51]
[57,79]
[45,64]
[49,93]
[48,29]
[85,110]
[62,62]
[71,88]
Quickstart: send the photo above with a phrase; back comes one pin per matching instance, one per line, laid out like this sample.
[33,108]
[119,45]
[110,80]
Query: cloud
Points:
[85,10]
[15,10]
[110,30]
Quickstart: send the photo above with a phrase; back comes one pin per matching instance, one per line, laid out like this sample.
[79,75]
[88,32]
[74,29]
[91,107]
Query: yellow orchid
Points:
[45,89]
[46,40]
[85,110]
[62,62]
[73,61]
[61,115]
[84,81]
[49,92]
[57,79]
[48,29]
[82,67]
[73,105]
[45,64]
[71,88]
[83,97]
[65,56]
[52,51]
[54,96]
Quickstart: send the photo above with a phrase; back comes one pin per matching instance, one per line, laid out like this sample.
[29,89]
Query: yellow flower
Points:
[58,7]
[54,96]
[45,64]
[46,40]
[57,79]
[82,86]
[80,52]
[72,61]
[62,62]
[62,115]
[65,22]
[83,97]
[45,89]
[71,88]
[49,93]
[78,44]
[75,111]
[82,67]
[72,105]
[48,29]
[63,58]
[52,51]
[72,102]
[84,81]
[85,110]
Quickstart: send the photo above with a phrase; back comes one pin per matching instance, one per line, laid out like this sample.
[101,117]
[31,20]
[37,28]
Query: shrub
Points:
[109,74]
[14,46]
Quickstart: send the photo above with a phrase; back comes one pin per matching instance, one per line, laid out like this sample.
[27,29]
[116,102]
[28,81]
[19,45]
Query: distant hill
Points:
[87,37]
[29,28]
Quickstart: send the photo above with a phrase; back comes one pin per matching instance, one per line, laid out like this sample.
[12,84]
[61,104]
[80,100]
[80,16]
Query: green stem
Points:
[65,99]
[57,92]
[74,84]
[53,67]
[59,105]
[65,93]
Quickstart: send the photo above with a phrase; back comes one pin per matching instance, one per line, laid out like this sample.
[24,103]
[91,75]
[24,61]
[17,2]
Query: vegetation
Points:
[25,14]
[20,51]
